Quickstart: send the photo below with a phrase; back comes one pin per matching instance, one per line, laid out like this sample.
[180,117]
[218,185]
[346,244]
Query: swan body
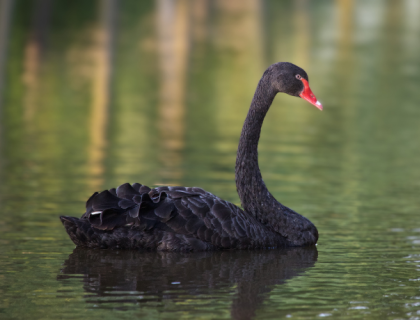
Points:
[192,219]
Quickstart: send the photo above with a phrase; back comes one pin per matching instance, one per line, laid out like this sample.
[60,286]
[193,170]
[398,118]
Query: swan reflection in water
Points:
[137,277]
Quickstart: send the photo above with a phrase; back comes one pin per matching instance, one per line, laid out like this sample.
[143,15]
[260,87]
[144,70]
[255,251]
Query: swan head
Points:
[288,78]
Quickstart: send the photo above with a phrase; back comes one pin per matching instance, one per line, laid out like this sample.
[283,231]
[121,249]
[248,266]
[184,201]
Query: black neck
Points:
[256,199]
[251,188]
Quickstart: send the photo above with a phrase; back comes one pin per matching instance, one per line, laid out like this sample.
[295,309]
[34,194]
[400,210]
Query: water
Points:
[95,95]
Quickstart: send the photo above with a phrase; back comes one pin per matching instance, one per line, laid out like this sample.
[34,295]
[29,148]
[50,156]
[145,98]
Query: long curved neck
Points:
[256,199]
[252,191]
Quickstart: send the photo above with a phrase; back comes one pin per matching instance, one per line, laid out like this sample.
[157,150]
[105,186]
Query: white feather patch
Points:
[95,212]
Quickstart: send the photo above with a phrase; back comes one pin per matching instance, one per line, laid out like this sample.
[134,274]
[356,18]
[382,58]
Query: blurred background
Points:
[94,94]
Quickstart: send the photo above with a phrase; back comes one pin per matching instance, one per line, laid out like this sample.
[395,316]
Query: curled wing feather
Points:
[192,212]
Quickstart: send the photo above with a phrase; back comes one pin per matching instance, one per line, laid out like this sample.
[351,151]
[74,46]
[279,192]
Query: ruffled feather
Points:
[167,218]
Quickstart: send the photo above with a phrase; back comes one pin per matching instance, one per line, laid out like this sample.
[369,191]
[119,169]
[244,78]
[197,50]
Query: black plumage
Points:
[191,219]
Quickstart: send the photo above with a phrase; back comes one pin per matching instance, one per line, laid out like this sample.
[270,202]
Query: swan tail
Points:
[108,211]
[79,230]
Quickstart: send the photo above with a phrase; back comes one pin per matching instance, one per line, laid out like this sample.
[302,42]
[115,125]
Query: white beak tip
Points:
[318,105]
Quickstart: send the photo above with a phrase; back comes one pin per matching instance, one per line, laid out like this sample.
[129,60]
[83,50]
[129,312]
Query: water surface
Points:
[98,94]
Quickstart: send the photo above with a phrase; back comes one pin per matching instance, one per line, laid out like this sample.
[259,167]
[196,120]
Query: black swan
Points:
[191,219]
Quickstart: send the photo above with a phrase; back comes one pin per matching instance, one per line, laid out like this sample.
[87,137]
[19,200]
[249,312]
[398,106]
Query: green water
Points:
[94,96]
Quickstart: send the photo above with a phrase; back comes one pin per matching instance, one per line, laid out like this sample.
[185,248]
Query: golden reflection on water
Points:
[104,38]
[173,25]
[105,92]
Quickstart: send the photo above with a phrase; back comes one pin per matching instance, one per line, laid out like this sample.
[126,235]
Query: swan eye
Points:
[298,77]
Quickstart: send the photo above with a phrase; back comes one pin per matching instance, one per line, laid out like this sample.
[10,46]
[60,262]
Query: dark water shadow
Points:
[140,277]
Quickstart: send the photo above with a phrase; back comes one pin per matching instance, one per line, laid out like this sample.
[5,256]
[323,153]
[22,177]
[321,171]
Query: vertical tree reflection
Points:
[34,51]
[302,27]
[173,24]
[6,7]
[101,91]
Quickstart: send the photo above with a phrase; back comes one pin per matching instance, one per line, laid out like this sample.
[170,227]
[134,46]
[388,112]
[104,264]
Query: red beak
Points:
[309,96]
